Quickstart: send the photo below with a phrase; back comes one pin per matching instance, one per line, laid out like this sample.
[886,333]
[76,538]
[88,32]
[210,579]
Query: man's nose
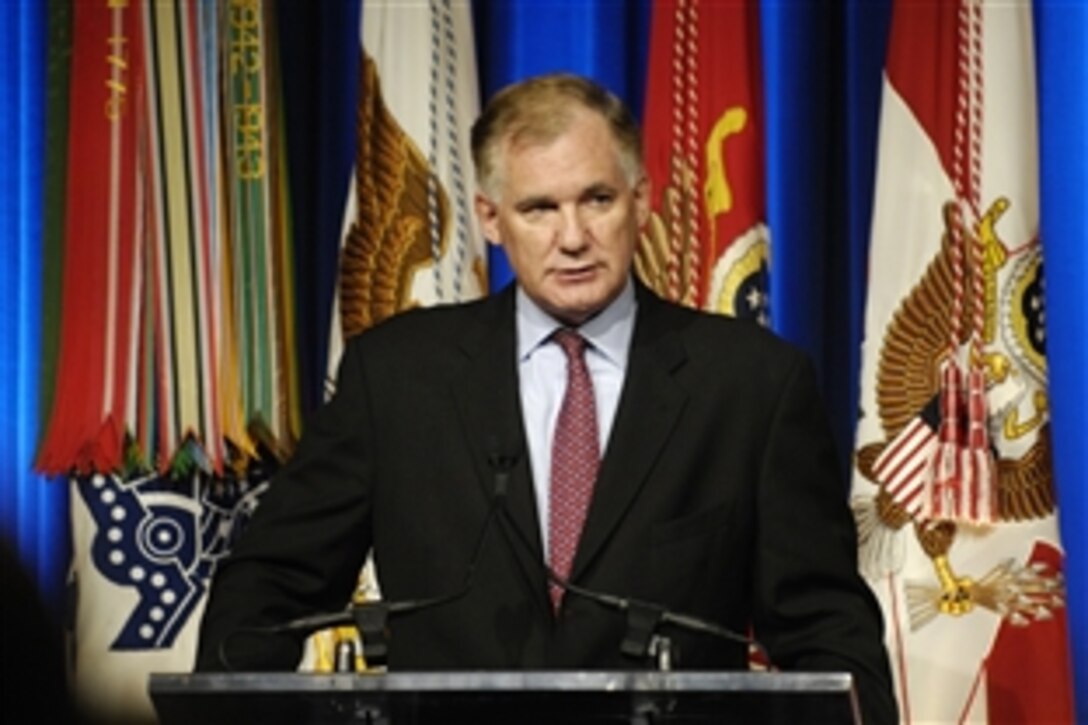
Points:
[572,231]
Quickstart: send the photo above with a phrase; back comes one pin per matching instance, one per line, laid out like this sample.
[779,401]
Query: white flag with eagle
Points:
[410,233]
[952,485]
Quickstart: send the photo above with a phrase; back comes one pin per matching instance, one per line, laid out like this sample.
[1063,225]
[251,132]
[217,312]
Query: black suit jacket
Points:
[719,495]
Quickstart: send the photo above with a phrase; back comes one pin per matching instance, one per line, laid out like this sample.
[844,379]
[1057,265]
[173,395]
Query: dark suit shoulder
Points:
[424,330]
[719,339]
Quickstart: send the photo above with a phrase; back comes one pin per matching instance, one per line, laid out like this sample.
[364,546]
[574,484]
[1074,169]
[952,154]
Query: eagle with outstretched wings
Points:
[389,239]
[915,347]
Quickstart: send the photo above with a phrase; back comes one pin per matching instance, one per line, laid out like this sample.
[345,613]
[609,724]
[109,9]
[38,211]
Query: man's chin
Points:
[577,312]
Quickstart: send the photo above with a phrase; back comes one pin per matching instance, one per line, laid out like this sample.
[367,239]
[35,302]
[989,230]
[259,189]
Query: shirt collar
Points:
[609,332]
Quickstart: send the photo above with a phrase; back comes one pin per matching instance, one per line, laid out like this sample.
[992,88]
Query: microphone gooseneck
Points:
[641,640]
[371,618]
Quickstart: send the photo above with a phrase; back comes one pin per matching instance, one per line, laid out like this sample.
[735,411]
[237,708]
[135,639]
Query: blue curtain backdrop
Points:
[1061,40]
[822,69]
[607,40]
[33,514]
[320,65]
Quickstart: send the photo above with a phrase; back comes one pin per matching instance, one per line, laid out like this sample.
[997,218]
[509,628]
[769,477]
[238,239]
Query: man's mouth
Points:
[576,274]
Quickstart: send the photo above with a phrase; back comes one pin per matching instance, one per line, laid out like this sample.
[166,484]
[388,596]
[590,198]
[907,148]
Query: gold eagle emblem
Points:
[389,239]
[914,348]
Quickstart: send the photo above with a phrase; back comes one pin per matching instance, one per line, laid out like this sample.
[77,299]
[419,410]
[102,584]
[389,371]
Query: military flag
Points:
[410,232]
[953,488]
[707,244]
[102,267]
[144,550]
[174,382]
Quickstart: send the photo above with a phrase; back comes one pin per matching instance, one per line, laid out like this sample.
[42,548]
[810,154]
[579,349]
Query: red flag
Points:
[707,242]
[101,265]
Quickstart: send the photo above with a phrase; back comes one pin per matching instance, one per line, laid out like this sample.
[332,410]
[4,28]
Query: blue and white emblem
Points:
[162,537]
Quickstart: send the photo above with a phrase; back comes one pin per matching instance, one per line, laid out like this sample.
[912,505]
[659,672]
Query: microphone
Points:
[641,640]
[501,458]
[371,618]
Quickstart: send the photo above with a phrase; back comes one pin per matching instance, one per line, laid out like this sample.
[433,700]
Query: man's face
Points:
[568,218]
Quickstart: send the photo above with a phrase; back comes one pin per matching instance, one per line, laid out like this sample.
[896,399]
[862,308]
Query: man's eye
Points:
[601,199]
[537,210]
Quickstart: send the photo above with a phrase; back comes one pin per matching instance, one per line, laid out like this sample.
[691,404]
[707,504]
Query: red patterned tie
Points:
[575,460]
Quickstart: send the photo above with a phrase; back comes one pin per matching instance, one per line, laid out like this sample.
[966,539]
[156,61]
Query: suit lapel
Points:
[649,408]
[489,404]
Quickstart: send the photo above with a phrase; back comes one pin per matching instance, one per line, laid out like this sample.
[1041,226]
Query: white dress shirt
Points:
[542,378]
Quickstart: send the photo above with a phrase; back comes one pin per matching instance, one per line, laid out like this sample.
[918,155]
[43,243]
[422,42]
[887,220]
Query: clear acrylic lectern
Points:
[422,698]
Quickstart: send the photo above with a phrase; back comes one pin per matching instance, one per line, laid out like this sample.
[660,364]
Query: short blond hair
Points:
[539,110]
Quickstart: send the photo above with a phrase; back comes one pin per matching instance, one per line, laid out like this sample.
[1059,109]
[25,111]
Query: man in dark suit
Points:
[702,470]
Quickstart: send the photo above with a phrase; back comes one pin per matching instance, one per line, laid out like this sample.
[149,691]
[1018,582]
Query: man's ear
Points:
[642,200]
[487,212]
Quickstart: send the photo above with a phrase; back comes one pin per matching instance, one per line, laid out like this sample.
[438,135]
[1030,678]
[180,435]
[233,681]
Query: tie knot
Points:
[572,343]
